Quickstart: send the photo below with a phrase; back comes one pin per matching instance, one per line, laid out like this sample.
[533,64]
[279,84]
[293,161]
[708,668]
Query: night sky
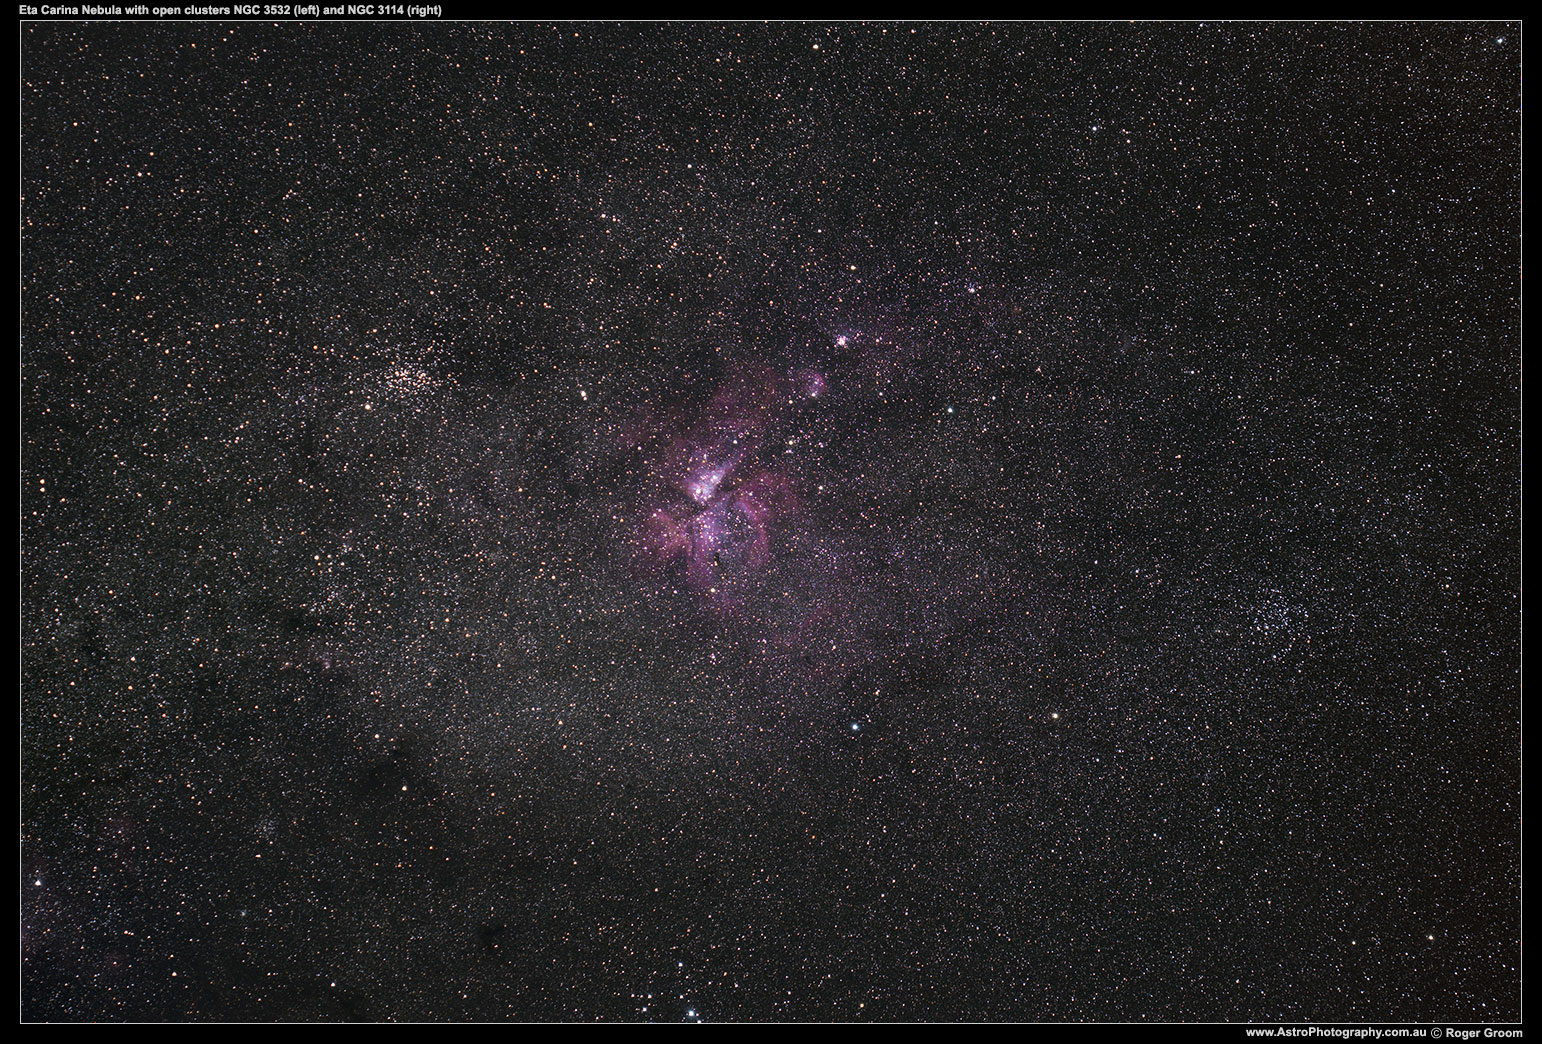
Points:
[794,522]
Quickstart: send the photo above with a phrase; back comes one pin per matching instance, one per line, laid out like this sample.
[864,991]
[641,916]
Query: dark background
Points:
[1139,637]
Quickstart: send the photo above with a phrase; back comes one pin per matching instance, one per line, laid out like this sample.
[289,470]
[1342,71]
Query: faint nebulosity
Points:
[770,522]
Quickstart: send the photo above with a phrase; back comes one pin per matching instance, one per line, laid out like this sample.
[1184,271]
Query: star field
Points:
[833,522]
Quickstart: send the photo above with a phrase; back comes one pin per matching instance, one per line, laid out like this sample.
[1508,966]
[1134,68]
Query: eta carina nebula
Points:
[715,512]
[726,513]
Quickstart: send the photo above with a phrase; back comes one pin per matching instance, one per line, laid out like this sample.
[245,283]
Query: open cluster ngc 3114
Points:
[830,522]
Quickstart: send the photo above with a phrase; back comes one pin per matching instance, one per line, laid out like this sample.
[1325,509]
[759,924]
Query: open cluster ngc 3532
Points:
[770,522]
